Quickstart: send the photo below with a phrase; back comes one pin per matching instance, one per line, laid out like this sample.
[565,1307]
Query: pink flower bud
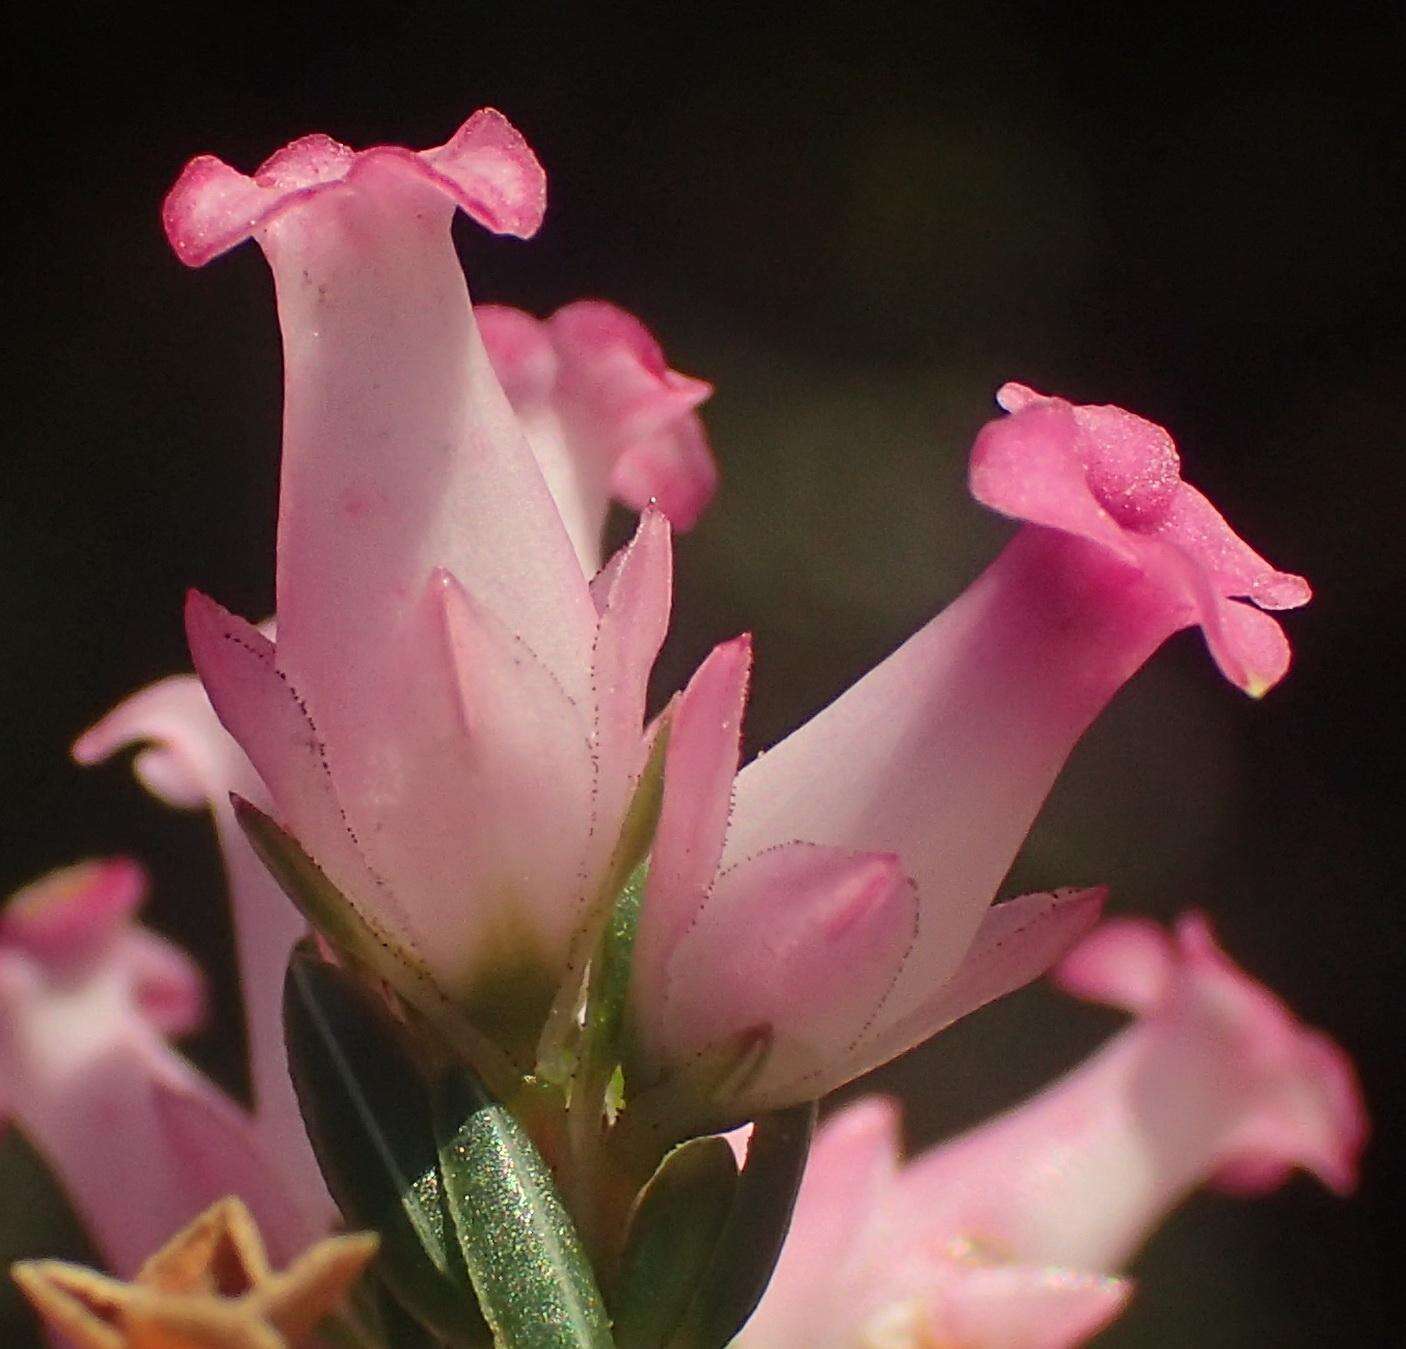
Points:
[604,414]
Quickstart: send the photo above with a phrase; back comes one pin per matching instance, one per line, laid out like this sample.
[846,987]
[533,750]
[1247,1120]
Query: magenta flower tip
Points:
[74,910]
[1113,478]
[486,168]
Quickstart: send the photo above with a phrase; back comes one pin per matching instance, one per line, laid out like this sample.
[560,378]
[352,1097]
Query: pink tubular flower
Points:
[190,761]
[1008,1236]
[450,722]
[583,431]
[140,1141]
[450,719]
[861,854]
[604,415]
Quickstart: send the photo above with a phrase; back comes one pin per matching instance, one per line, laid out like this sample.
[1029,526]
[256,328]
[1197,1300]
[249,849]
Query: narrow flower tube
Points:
[604,414]
[140,1141]
[941,756]
[1011,1235]
[450,721]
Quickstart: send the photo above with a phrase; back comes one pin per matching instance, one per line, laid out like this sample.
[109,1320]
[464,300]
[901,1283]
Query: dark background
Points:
[857,226]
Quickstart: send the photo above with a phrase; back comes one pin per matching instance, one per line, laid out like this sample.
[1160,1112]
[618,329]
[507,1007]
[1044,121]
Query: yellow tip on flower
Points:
[209,1287]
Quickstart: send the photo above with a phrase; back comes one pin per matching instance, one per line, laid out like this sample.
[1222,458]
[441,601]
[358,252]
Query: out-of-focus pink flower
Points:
[604,414]
[140,1141]
[190,761]
[1011,1235]
[859,857]
[451,721]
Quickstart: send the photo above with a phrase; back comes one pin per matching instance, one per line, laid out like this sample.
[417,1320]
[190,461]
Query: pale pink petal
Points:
[625,398]
[673,468]
[523,355]
[402,455]
[1023,466]
[795,950]
[1249,647]
[468,766]
[75,914]
[944,753]
[190,760]
[704,744]
[1201,531]
[1309,1112]
[604,579]
[813,1292]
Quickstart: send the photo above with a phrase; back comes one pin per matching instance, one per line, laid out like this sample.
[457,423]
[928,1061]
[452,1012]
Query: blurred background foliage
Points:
[858,223]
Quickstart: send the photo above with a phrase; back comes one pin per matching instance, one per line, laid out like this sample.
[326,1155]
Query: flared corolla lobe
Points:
[933,766]
[450,721]
[605,415]
[139,1140]
[1108,476]
[486,168]
[1012,1235]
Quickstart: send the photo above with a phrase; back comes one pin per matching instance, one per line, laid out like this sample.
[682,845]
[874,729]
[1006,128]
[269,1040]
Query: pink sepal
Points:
[1018,941]
[1111,477]
[796,949]
[634,621]
[705,741]
[486,168]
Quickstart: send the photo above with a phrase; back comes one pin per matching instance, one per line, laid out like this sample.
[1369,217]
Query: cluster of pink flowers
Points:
[449,716]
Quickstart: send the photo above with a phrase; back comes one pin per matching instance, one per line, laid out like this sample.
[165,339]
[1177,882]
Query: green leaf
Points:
[368,1115]
[607,991]
[747,1249]
[533,1279]
[366,944]
[673,1233]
